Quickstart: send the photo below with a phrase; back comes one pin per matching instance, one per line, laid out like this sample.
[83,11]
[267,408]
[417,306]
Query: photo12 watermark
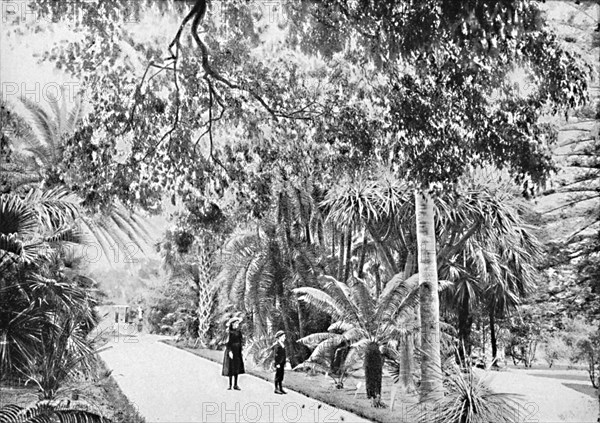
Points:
[269,411]
[20,11]
[132,11]
[94,252]
[37,92]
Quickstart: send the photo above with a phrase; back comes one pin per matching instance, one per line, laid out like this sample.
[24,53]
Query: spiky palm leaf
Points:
[39,220]
[399,296]
[20,336]
[48,412]
[366,199]
[470,400]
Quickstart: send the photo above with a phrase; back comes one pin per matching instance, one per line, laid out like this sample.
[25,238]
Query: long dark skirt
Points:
[233,366]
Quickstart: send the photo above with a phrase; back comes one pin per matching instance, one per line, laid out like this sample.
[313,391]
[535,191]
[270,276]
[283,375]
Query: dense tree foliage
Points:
[283,129]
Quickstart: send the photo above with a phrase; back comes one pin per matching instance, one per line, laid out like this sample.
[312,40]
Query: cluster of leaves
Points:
[172,310]
[470,399]
[439,101]
[47,309]
[49,411]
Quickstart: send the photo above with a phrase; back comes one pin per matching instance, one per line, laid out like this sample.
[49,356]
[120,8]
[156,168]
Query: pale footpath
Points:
[170,385]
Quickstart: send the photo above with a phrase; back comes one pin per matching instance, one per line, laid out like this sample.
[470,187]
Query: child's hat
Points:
[279,334]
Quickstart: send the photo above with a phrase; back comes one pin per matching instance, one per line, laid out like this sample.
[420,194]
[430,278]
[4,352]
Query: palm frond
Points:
[16,216]
[342,295]
[43,123]
[398,297]
[339,326]
[55,207]
[47,412]
[11,244]
[322,301]
[361,296]
[69,235]
[356,333]
[325,349]
[314,339]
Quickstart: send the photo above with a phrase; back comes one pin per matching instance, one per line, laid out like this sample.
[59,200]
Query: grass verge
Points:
[103,397]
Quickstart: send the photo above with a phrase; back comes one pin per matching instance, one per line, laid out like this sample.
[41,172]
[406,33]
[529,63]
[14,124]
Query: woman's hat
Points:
[279,334]
[234,319]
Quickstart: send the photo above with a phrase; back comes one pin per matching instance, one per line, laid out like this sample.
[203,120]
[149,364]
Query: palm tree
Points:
[259,268]
[366,323]
[38,301]
[376,205]
[495,265]
[190,259]
[31,224]
[37,162]
[383,205]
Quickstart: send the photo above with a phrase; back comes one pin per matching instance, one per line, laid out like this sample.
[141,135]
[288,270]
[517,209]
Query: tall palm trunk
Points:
[493,340]
[373,366]
[206,291]
[409,266]
[320,234]
[390,264]
[333,243]
[465,322]
[341,262]
[363,254]
[377,279]
[431,366]
[348,254]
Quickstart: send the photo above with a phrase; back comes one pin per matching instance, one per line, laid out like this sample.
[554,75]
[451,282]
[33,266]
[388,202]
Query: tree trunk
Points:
[429,303]
[348,254]
[257,322]
[387,256]
[332,243]
[291,346]
[341,263]
[407,356]
[320,235]
[409,266]
[300,313]
[483,338]
[375,270]
[206,292]
[363,254]
[493,337]
[465,322]
[373,365]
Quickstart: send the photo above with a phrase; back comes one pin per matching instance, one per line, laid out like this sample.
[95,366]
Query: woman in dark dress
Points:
[233,363]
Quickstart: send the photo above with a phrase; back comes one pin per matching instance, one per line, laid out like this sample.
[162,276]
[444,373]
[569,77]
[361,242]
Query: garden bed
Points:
[321,388]
[104,398]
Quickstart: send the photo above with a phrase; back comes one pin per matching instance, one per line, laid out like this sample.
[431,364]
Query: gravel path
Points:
[170,385]
[547,399]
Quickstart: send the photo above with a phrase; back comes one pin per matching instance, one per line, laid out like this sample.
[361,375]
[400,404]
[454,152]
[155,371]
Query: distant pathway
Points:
[170,385]
[547,399]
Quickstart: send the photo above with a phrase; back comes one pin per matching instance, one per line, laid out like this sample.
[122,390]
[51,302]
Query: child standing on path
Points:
[280,359]
[233,362]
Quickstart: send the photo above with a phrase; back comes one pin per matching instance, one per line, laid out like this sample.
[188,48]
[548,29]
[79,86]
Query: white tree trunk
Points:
[431,367]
